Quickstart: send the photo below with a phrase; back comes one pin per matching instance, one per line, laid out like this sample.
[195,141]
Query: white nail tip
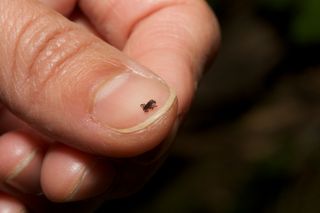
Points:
[156,116]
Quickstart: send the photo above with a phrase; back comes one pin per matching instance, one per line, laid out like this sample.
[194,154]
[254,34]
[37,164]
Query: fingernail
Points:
[21,156]
[25,176]
[131,101]
[91,181]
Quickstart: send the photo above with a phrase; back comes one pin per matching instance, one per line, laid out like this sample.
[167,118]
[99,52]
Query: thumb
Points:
[71,85]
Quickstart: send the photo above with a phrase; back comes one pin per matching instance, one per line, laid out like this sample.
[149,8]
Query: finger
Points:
[20,203]
[9,121]
[79,18]
[11,204]
[28,202]
[21,157]
[72,86]
[172,38]
[67,8]
[70,175]
[64,7]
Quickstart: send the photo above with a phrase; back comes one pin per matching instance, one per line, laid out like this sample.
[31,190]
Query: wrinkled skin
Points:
[51,55]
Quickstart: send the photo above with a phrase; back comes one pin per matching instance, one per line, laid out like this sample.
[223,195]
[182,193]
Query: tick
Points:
[149,106]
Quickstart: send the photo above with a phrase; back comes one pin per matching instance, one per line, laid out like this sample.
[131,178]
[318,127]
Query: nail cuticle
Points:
[73,192]
[24,163]
[81,182]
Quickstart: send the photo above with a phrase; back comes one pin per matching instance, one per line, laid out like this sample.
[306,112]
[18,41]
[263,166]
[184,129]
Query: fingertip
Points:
[70,175]
[142,138]
[21,156]
[9,204]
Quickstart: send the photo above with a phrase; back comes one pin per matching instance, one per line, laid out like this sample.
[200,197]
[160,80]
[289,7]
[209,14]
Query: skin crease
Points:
[175,49]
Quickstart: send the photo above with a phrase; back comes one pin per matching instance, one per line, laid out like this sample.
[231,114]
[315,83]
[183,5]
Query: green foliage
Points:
[305,24]
[305,27]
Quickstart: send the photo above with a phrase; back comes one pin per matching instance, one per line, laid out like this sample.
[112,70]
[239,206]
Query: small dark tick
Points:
[149,106]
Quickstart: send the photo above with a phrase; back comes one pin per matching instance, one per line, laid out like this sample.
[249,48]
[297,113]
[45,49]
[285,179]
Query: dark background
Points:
[251,142]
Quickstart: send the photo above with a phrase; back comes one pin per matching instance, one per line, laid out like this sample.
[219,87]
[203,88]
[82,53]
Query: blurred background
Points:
[251,142]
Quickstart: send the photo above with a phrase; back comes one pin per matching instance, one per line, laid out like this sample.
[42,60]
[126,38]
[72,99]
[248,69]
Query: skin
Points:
[47,157]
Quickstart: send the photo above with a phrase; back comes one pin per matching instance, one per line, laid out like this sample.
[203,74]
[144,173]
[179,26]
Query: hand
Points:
[71,87]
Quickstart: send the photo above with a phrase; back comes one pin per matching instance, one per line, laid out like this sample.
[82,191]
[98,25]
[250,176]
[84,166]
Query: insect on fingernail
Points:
[149,106]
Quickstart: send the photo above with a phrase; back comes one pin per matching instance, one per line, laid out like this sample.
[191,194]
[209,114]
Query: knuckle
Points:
[46,50]
[53,55]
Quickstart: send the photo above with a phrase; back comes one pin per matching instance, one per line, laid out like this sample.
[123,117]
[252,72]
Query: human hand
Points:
[77,97]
